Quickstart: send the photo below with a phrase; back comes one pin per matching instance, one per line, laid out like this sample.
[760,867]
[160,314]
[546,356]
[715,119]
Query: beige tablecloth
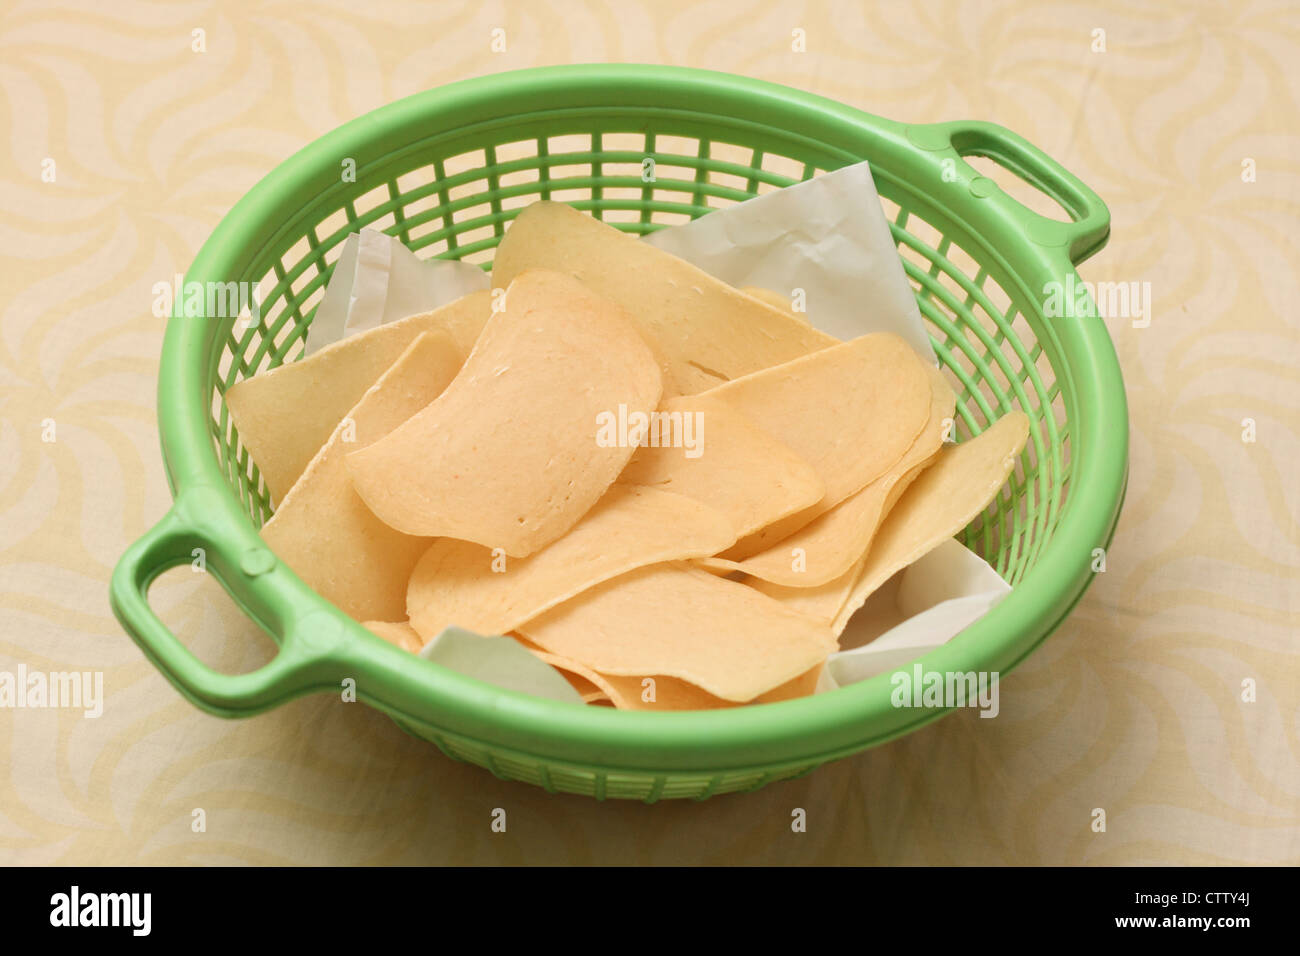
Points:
[1135,706]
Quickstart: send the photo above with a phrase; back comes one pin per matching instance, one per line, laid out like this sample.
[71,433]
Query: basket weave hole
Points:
[514,151]
[621,204]
[716,201]
[387,224]
[469,189]
[569,143]
[333,231]
[295,256]
[676,182]
[578,195]
[466,214]
[790,170]
[304,288]
[622,195]
[531,176]
[307,305]
[287,334]
[474,159]
[371,200]
[623,143]
[482,256]
[421,179]
[684,150]
[926,234]
[469,237]
[560,173]
[423,247]
[615,216]
[417,211]
[667,218]
[729,181]
[434,249]
[628,171]
[732,153]
[513,204]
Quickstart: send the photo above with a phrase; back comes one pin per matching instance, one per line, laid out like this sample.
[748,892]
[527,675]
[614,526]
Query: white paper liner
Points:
[920,608]
[502,661]
[378,280]
[827,236]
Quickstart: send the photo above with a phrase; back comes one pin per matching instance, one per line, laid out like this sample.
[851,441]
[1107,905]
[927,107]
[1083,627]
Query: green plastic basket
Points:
[445,171]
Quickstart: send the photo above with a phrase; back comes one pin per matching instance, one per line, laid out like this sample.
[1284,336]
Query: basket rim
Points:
[853,716]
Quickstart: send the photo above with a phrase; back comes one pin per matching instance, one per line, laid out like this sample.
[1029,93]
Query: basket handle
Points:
[307,638]
[1090,227]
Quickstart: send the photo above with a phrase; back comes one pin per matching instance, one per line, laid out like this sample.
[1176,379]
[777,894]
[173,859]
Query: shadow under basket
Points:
[445,172]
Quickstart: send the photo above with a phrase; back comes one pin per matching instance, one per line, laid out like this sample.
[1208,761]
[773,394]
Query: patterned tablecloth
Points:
[1182,116]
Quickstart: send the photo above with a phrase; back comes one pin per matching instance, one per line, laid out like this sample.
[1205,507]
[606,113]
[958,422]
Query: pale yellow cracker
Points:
[461,583]
[775,299]
[508,456]
[851,411]
[831,544]
[286,414]
[324,532]
[593,687]
[667,693]
[942,500]
[678,621]
[704,331]
[737,467]
[672,693]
